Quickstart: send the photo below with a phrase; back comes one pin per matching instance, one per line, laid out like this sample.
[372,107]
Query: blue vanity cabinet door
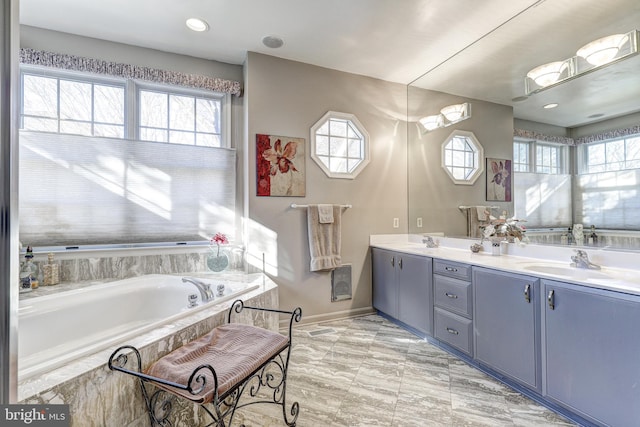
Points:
[415,292]
[385,284]
[506,324]
[591,347]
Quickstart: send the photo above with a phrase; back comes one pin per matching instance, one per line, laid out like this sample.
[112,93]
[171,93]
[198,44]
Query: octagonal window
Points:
[340,145]
[462,157]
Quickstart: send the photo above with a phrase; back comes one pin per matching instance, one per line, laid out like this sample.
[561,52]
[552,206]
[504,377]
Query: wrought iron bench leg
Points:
[159,407]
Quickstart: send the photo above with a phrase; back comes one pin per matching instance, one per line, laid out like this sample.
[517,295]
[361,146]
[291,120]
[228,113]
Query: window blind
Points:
[609,199]
[78,190]
[543,200]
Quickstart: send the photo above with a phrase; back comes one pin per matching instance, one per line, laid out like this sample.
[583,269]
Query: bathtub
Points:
[57,329]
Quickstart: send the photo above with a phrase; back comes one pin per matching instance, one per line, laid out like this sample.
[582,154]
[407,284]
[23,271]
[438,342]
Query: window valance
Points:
[98,66]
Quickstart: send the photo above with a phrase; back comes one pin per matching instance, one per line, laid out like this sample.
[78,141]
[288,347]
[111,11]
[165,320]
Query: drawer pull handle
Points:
[393,261]
[452,331]
[400,263]
[452,296]
[451,269]
[550,300]
[527,293]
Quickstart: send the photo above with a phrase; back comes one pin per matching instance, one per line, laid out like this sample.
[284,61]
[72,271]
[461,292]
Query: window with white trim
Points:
[69,103]
[462,157]
[541,183]
[87,177]
[179,117]
[614,155]
[340,145]
[606,187]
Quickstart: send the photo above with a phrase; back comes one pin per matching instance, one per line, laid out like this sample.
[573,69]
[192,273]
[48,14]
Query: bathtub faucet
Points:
[206,294]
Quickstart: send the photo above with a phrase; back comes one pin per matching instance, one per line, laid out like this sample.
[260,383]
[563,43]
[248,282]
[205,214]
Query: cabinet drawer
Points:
[453,330]
[453,295]
[452,269]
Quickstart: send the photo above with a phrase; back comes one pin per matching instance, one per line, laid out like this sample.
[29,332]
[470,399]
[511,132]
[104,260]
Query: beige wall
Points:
[287,98]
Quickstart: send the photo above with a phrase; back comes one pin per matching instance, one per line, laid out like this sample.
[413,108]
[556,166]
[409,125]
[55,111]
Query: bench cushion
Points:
[234,351]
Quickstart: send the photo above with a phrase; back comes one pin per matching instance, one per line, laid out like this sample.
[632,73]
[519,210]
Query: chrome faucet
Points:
[429,241]
[206,294]
[581,260]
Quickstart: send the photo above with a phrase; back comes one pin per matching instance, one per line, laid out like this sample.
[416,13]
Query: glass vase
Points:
[217,260]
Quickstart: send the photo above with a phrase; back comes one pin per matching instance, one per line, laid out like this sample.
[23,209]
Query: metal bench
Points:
[215,370]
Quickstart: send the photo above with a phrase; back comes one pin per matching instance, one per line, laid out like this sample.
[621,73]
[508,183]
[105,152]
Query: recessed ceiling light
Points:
[273,42]
[197,24]
[552,105]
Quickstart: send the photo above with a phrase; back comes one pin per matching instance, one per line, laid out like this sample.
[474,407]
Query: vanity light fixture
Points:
[432,122]
[548,74]
[448,115]
[604,50]
[197,24]
[590,57]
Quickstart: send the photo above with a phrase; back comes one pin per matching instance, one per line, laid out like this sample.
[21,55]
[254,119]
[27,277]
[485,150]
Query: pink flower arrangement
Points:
[219,239]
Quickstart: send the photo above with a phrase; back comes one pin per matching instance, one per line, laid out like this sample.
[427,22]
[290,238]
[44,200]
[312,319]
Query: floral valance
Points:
[613,134]
[598,137]
[530,134]
[98,66]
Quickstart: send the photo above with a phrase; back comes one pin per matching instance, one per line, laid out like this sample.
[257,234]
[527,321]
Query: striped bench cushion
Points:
[233,350]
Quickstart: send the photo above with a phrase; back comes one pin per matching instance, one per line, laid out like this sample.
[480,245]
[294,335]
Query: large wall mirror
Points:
[490,74]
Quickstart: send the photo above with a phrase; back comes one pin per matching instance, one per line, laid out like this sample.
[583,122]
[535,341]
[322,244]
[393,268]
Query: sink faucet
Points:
[581,260]
[206,294]
[429,241]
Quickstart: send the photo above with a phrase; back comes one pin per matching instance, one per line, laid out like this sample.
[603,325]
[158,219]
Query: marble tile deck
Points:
[366,371]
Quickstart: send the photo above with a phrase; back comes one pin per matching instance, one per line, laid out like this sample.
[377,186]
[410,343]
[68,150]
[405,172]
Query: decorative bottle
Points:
[28,273]
[593,237]
[51,271]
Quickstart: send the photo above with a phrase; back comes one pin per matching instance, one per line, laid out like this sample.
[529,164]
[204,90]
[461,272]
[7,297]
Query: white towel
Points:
[482,212]
[325,214]
[324,239]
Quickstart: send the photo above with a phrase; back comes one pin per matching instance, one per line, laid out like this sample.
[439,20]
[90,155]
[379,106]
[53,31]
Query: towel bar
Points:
[295,206]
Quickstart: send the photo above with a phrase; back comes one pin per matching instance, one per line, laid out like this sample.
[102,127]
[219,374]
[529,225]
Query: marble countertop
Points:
[616,273]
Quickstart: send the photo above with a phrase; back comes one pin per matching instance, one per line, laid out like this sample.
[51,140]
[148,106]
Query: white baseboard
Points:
[326,317]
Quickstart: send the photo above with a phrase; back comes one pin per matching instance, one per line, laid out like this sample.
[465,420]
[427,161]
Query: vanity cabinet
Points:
[506,324]
[591,344]
[402,288]
[452,296]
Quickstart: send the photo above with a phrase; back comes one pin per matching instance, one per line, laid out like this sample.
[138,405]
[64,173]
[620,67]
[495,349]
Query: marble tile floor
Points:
[367,371]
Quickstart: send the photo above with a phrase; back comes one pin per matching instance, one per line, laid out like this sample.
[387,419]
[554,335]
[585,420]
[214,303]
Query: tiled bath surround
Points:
[90,265]
[99,397]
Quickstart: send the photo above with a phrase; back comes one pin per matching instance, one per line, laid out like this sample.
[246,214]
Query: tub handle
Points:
[193,300]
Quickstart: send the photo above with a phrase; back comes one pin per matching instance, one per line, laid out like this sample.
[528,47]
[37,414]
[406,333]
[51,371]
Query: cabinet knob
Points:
[452,331]
[550,300]
[400,263]
[527,293]
[393,261]
[452,296]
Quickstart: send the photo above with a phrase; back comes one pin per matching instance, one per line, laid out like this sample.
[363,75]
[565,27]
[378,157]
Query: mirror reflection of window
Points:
[462,157]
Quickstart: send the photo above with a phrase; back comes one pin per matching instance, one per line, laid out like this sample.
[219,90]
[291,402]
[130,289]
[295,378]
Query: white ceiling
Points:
[394,40]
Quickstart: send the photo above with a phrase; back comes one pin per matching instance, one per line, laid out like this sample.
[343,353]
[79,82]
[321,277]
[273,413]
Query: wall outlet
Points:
[396,222]
[419,222]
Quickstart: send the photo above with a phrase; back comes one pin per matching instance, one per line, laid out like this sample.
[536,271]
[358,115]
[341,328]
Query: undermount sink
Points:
[574,272]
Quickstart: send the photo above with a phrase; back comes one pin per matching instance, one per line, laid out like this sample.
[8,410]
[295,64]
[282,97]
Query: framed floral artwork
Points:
[280,166]
[498,180]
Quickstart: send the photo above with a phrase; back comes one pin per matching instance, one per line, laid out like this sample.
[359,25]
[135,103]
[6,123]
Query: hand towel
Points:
[324,239]
[482,212]
[325,214]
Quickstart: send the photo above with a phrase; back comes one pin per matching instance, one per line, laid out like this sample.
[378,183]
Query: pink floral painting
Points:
[499,180]
[280,166]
